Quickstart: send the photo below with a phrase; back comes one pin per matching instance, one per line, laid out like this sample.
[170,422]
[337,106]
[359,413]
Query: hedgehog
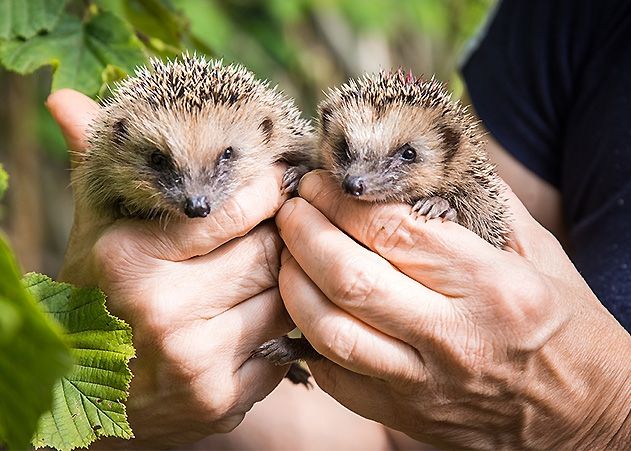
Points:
[393,137]
[178,138]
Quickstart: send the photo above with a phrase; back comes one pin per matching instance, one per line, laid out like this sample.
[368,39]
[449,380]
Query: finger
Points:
[254,202]
[225,342]
[531,240]
[228,339]
[252,323]
[243,328]
[73,112]
[356,279]
[431,252]
[258,200]
[343,338]
[206,286]
[362,394]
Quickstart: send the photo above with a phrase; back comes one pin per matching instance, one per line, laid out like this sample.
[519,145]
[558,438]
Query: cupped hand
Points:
[199,294]
[434,332]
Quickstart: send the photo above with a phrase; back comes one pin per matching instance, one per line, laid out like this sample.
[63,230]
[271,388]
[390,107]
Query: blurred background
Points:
[304,46]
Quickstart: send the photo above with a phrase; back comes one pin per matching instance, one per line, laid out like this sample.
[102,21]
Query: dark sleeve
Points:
[521,77]
[551,80]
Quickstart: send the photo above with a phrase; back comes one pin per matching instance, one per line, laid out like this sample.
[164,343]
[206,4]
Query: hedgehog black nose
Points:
[353,185]
[197,207]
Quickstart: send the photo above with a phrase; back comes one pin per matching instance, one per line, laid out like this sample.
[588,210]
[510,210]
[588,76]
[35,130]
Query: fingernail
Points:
[310,183]
[284,213]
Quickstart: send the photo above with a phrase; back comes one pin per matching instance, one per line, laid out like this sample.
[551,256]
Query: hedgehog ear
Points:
[267,127]
[450,137]
[325,117]
[119,131]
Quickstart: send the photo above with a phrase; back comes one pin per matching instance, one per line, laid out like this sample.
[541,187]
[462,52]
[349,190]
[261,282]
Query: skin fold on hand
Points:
[199,295]
[432,331]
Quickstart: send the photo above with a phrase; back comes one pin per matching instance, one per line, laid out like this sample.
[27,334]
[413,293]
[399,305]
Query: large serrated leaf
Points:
[26,18]
[78,51]
[32,357]
[88,402]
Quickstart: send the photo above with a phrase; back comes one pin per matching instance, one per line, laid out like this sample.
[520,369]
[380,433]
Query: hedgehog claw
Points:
[291,179]
[285,350]
[434,207]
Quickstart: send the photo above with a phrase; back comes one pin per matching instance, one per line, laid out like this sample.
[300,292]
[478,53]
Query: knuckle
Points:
[112,255]
[352,282]
[526,305]
[342,343]
[393,232]
[233,217]
[218,398]
[271,245]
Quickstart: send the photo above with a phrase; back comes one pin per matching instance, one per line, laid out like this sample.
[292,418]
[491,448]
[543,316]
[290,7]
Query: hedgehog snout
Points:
[196,207]
[354,185]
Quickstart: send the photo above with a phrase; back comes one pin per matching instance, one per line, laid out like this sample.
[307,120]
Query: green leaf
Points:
[26,18]
[4,181]
[87,402]
[78,51]
[32,357]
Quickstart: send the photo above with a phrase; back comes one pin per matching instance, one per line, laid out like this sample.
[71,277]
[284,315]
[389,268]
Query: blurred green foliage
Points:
[305,45]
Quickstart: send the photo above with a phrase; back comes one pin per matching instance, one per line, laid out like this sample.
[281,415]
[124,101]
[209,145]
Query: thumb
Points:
[73,112]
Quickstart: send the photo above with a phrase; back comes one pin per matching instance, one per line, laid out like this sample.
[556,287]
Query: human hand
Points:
[199,294]
[434,332]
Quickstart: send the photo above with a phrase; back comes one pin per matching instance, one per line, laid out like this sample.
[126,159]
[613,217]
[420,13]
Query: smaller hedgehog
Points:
[391,137]
[178,139]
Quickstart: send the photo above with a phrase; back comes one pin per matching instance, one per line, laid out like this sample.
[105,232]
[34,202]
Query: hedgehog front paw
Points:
[434,207]
[291,179]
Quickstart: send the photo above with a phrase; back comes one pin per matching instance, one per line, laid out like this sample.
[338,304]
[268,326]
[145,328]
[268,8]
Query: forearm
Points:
[292,417]
[613,427]
[622,438]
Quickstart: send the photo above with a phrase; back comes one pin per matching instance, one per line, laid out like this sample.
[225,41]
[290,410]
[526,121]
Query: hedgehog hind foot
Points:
[291,179]
[298,375]
[434,207]
[285,350]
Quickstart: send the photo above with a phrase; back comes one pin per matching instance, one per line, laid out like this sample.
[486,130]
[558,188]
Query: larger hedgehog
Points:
[180,137]
[392,137]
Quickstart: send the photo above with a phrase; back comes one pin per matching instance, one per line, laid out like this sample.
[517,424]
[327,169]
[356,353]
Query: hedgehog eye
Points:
[407,153]
[227,154]
[158,160]
[342,150]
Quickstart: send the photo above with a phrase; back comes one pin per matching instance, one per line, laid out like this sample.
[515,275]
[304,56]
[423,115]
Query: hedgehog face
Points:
[172,162]
[381,154]
[391,136]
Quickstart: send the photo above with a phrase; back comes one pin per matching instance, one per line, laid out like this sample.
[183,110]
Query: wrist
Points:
[584,382]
